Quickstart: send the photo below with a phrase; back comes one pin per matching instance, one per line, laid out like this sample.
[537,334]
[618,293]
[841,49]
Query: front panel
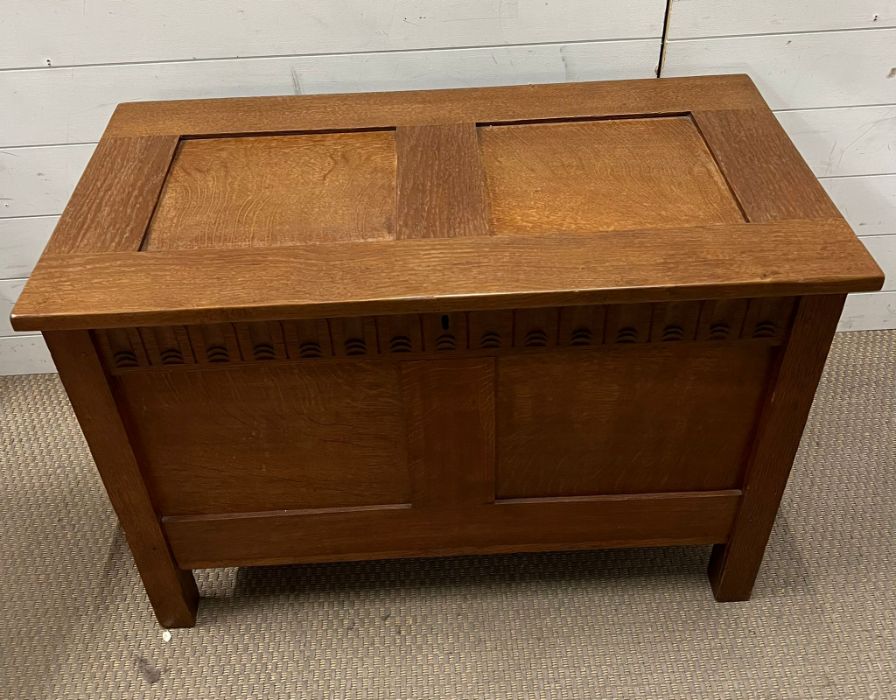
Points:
[269,437]
[407,433]
[648,419]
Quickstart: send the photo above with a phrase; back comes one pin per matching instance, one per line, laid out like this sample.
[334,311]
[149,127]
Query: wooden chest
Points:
[301,329]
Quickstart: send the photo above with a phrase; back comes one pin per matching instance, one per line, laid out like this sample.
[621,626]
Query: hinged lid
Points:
[291,207]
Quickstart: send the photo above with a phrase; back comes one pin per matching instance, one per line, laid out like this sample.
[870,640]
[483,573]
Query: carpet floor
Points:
[74,621]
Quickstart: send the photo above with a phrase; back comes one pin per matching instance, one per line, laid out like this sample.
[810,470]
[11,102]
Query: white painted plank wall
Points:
[867,202]
[828,69]
[797,71]
[21,242]
[72,105]
[64,65]
[24,354]
[846,141]
[703,18]
[9,292]
[38,180]
[39,33]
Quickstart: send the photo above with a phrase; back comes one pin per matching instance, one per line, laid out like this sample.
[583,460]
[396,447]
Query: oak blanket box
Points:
[319,328]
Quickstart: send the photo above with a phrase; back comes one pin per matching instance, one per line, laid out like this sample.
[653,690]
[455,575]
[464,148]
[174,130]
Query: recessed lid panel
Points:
[602,175]
[277,190]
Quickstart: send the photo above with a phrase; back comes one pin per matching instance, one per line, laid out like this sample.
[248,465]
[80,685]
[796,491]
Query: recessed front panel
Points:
[602,175]
[654,418]
[269,438]
[277,190]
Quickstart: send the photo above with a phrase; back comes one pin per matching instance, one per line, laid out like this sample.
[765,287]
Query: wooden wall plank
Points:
[64,105]
[9,293]
[38,181]
[699,18]
[826,69]
[849,141]
[24,354]
[867,202]
[883,250]
[21,242]
[70,32]
[479,67]
[867,312]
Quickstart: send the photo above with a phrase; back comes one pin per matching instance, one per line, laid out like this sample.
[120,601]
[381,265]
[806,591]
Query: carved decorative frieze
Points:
[129,349]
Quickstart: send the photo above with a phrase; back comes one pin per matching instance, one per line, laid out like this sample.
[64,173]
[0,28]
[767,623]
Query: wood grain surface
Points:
[416,107]
[171,589]
[445,322]
[603,175]
[277,190]
[115,196]
[442,275]
[441,185]
[734,566]
[365,533]
[450,414]
[613,431]
[281,437]
[617,169]
[766,172]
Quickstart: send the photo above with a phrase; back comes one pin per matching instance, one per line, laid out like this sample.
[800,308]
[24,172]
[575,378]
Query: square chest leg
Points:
[171,589]
[734,564]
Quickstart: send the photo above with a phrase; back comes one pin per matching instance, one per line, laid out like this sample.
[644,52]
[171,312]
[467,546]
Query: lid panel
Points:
[603,175]
[277,190]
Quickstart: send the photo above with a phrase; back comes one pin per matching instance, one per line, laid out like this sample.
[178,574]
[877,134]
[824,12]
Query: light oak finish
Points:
[276,190]
[422,107]
[588,176]
[750,143]
[116,195]
[441,189]
[452,322]
[387,277]
[306,438]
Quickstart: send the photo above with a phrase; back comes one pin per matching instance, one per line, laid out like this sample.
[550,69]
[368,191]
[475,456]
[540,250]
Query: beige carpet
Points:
[74,622]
